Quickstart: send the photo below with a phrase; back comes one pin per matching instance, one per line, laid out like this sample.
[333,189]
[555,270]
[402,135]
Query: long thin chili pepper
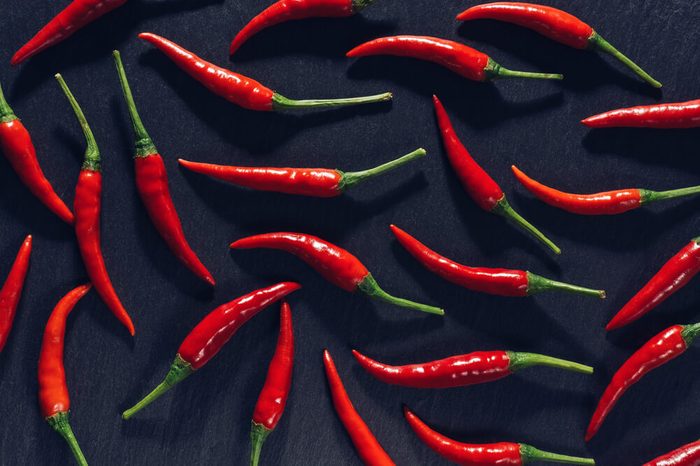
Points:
[53,390]
[278,383]
[152,184]
[687,455]
[662,348]
[667,115]
[502,282]
[368,448]
[16,144]
[210,335]
[292,10]
[316,182]
[674,275]
[87,206]
[335,264]
[496,454]
[69,21]
[11,291]
[240,89]
[479,184]
[605,203]
[458,58]
[555,24]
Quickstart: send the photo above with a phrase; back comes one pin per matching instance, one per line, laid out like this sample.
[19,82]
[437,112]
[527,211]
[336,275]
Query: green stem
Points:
[597,42]
[358,5]
[537,284]
[258,434]
[6,113]
[59,423]
[280,102]
[690,332]
[371,288]
[524,360]
[352,178]
[494,71]
[504,209]
[92,152]
[529,453]
[653,196]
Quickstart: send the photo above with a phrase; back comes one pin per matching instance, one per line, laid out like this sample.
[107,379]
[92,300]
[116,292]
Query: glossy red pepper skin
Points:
[664,116]
[687,455]
[368,448]
[11,291]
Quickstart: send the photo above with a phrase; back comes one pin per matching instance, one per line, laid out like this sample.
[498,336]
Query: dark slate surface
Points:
[534,124]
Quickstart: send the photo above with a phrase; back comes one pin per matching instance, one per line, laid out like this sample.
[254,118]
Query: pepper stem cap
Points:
[520,361]
[258,435]
[371,288]
[59,423]
[504,209]
[352,178]
[279,102]
[598,43]
[6,112]
[92,152]
[537,284]
[529,453]
[359,5]
[495,71]
[690,332]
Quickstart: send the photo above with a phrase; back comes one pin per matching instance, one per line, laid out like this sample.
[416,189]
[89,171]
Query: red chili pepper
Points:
[278,383]
[458,58]
[687,455]
[19,150]
[484,454]
[316,182]
[152,184]
[335,264]
[211,334]
[674,275]
[502,282]
[669,115]
[53,390]
[11,291]
[87,206]
[555,24]
[368,448]
[667,345]
[73,18]
[478,184]
[240,89]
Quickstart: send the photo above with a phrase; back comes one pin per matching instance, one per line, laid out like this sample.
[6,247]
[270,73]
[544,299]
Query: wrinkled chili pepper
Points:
[668,115]
[555,24]
[16,144]
[335,264]
[368,448]
[479,184]
[502,282]
[662,348]
[11,291]
[87,206]
[152,184]
[316,182]
[53,390]
[273,397]
[458,58]
[687,455]
[496,454]
[210,335]
[240,89]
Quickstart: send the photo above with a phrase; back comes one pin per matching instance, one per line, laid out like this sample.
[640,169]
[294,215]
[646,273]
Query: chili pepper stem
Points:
[353,178]
[597,42]
[504,209]
[6,112]
[690,332]
[59,423]
[537,284]
[258,434]
[494,71]
[92,152]
[358,5]
[280,102]
[524,360]
[371,288]
[653,196]
[529,453]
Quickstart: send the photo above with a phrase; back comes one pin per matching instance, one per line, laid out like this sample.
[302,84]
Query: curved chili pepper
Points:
[335,264]
[11,291]
[674,275]
[211,334]
[74,17]
[152,184]
[478,184]
[502,282]
[316,182]
[687,455]
[668,115]
[278,383]
[87,206]
[555,24]
[458,58]
[667,345]
[292,10]
[496,454]
[16,144]
[240,89]
[53,390]
[368,448]
[605,203]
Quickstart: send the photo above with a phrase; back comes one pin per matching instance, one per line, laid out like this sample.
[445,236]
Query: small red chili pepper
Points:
[316,182]
[53,390]
[502,282]
[240,89]
[667,345]
[484,454]
[669,115]
[605,203]
[335,264]
[368,448]
[687,455]
[211,334]
[555,24]
[152,184]
[11,291]
[458,58]
[16,143]
[674,275]
[478,184]
[278,383]
[74,17]
[87,206]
